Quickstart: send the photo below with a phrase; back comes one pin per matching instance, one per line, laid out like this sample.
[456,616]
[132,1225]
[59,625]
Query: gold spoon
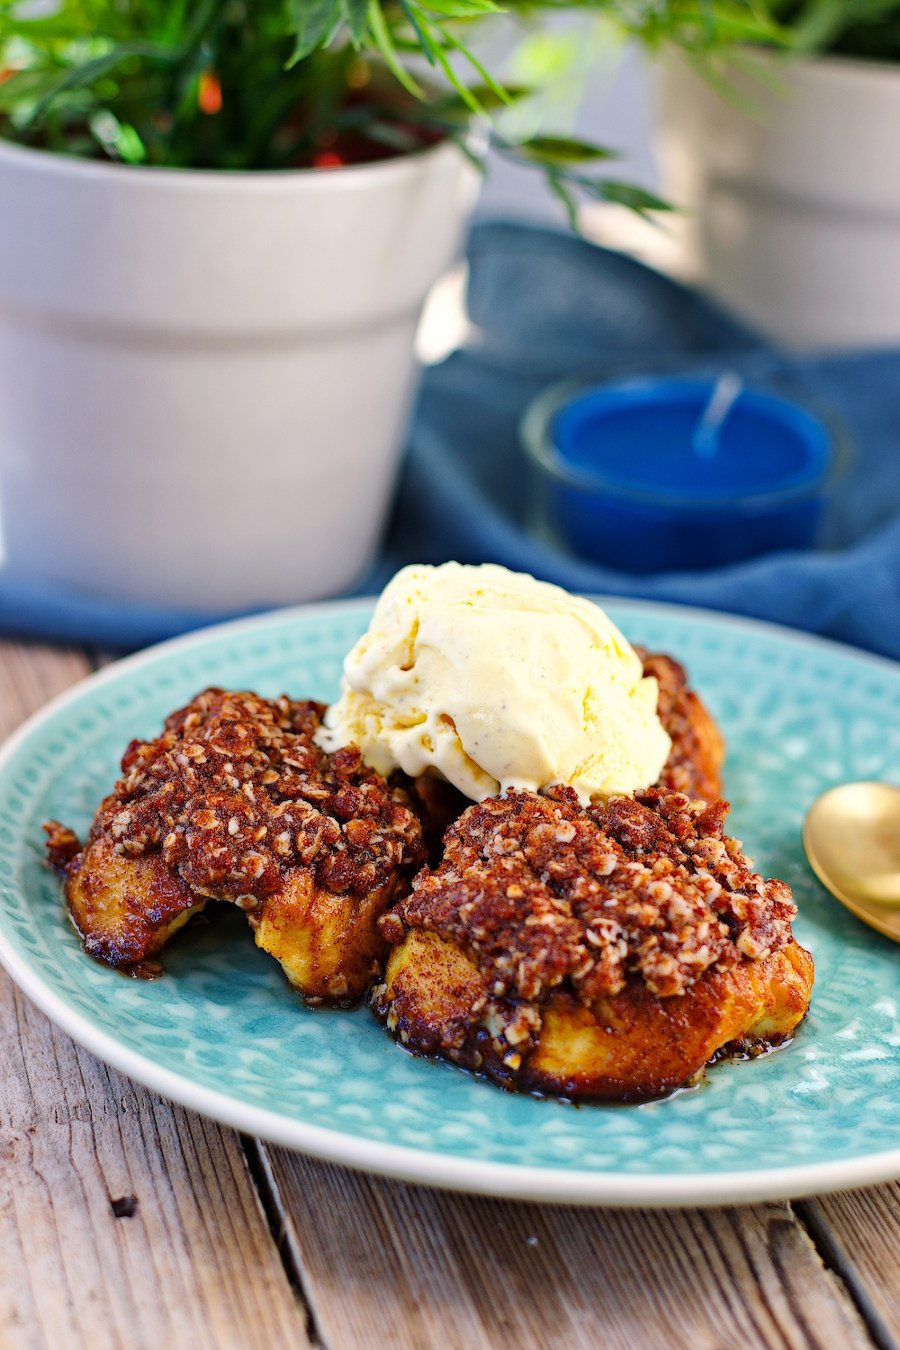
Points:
[852,839]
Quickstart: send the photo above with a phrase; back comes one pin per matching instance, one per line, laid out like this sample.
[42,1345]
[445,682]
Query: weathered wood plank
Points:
[194,1264]
[413,1268]
[860,1233]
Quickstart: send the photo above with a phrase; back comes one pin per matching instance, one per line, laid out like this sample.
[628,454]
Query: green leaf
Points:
[562,150]
[466,93]
[461,9]
[452,105]
[315,23]
[118,139]
[79,76]
[26,87]
[381,35]
[434,42]
[40,28]
[419,25]
[627,194]
[356,18]
[564,194]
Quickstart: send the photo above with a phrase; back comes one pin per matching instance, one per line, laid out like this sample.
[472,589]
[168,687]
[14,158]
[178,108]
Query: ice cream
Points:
[495,680]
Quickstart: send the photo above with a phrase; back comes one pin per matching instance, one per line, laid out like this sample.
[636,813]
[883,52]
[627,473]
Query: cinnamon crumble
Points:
[695,760]
[235,792]
[540,893]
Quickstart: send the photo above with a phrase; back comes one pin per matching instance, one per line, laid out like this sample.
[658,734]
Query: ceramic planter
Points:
[794,212]
[205,377]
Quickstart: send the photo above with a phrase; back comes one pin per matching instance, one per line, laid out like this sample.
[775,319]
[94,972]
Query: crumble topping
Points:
[62,845]
[541,893]
[688,768]
[235,791]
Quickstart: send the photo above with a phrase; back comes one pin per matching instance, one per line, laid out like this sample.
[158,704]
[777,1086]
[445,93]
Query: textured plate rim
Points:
[507,1180]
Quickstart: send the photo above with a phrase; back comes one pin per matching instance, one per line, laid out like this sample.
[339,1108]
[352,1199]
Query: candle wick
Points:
[728,389]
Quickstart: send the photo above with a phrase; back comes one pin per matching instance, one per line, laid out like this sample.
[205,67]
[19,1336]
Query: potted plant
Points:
[788,168]
[219,223]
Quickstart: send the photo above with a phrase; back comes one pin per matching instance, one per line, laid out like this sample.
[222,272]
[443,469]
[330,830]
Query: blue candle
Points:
[669,474]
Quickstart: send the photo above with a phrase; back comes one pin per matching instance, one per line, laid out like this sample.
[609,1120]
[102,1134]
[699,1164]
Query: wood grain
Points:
[412,1268]
[860,1233]
[194,1264]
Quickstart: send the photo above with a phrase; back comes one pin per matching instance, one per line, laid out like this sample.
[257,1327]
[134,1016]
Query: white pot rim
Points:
[349,178]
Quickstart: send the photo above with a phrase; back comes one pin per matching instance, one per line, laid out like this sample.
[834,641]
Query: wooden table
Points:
[125,1221]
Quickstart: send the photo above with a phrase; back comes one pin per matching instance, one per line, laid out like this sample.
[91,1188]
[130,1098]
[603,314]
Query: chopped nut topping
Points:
[235,791]
[695,758]
[540,892]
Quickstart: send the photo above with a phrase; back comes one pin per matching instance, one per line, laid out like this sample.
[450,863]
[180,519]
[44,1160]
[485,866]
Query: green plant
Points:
[270,84]
[866,28]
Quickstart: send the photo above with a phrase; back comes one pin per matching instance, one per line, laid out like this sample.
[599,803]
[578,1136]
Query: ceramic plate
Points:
[222,1033]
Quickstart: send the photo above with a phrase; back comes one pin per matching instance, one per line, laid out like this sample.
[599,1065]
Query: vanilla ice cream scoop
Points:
[496,680]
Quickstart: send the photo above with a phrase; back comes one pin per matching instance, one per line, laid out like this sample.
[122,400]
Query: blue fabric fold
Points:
[546,306]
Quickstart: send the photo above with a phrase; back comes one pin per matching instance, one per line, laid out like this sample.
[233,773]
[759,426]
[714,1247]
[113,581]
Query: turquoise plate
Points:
[222,1032]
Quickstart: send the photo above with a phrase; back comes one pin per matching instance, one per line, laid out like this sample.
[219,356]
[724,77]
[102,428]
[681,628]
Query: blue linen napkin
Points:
[546,306]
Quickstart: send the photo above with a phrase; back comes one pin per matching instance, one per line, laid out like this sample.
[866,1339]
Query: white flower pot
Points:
[793,213]
[205,377]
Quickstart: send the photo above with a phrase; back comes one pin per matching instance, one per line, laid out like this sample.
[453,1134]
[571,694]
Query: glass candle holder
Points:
[672,474]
